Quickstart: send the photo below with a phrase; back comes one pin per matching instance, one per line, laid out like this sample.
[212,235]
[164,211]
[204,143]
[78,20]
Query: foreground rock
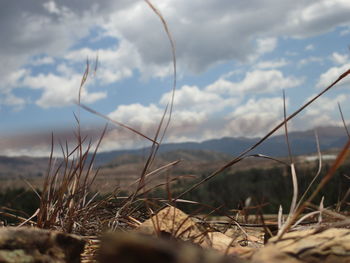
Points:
[19,245]
[171,221]
[307,246]
[136,248]
[174,223]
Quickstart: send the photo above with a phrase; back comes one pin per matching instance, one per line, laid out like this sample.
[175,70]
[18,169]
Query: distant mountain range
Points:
[122,167]
[302,142]
[22,166]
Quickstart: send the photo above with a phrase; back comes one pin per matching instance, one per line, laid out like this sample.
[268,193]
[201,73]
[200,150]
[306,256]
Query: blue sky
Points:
[234,60]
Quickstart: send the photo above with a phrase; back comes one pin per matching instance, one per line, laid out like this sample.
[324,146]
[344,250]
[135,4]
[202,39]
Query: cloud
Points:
[9,83]
[194,114]
[257,81]
[324,111]
[258,116]
[195,117]
[52,7]
[46,60]
[114,63]
[345,32]
[60,90]
[14,78]
[255,118]
[15,102]
[193,98]
[31,29]
[137,114]
[308,60]
[316,17]
[37,143]
[146,119]
[339,59]
[310,47]
[242,29]
[331,75]
[191,107]
[272,64]
[265,45]
[207,33]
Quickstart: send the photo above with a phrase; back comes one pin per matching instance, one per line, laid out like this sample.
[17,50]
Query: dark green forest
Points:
[18,201]
[267,188]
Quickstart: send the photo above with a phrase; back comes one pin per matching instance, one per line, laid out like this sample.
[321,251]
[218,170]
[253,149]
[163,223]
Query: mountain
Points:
[185,156]
[301,142]
[22,166]
[192,153]
[120,169]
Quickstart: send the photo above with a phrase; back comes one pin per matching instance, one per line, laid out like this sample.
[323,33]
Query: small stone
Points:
[136,248]
[174,222]
[20,245]
[307,246]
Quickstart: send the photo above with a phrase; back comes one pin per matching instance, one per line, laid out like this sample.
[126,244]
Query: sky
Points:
[234,60]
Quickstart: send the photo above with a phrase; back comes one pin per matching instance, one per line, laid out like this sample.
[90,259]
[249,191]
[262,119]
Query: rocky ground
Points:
[172,236]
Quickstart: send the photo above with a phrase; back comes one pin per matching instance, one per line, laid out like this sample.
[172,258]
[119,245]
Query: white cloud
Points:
[137,114]
[59,91]
[15,77]
[310,47]
[331,75]
[257,81]
[308,60]
[114,63]
[118,62]
[322,112]
[8,84]
[110,76]
[194,114]
[266,45]
[34,28]
[317,17]
[13,101]
[51,7]
[192,98]
[272,64]
[147,118]
[255,118]
[339,59]
[242,28]
[254,106]
[263,45]
[46,60]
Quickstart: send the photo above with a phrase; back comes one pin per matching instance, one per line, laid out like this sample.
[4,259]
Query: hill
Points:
[302,143]
[196,159]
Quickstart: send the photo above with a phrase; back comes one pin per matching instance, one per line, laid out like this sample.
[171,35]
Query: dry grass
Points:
[66,201]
